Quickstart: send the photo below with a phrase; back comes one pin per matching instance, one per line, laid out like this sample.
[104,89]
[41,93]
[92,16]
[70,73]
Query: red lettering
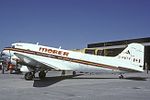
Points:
[66,53]
[43,49]
[53,51]
[60,52]
[50,50]
[40,49]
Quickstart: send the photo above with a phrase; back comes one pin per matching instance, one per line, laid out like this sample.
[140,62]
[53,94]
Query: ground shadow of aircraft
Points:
[137,78]
[51,80]
[48,81]
[127,78]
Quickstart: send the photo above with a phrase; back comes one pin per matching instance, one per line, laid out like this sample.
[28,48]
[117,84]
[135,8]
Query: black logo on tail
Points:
[128,52]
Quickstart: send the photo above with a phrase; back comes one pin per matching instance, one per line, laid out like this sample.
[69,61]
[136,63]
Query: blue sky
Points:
[72,23]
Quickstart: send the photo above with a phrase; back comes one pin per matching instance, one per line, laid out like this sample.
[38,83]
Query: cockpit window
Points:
[13,46]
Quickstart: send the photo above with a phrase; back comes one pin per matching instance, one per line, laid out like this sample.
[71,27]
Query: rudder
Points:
[133,56]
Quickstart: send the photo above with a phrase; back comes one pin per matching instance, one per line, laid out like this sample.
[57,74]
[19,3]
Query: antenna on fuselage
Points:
[37,43]
[59,47]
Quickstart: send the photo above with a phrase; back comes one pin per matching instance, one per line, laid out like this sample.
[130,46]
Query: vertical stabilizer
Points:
[132,57]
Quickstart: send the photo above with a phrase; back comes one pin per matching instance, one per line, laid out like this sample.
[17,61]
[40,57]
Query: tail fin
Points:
[132,57]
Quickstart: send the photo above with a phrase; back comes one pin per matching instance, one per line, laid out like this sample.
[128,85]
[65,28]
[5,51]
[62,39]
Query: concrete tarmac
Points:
[84,87]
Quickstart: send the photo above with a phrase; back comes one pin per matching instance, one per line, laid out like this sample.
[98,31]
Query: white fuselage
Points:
[70,60]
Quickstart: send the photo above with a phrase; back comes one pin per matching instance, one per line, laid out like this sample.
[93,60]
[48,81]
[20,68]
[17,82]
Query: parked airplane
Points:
[38,58]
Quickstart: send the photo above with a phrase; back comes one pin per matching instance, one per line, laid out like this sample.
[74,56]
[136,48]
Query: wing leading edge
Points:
[32,63]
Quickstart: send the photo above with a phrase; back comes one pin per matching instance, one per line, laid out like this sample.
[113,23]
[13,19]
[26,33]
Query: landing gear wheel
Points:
[29,76]
[42,75]
[74,73]
[121,76]
[63,73]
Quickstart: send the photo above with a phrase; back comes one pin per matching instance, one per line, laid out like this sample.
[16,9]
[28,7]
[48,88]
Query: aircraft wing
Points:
[33,63]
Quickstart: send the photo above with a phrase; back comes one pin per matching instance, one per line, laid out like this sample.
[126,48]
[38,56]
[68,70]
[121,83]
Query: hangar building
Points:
[113,48]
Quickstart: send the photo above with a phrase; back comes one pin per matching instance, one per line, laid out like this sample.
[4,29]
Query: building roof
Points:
[144,41]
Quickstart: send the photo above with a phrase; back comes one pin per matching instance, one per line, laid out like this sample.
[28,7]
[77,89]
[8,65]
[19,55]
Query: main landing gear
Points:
[42,74]
[31,75]
[64,73]
[121,76]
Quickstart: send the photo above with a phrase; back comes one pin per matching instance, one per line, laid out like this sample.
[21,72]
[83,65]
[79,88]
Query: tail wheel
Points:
[29,76]
[74,73]
[121,76]
[63,73]
[42,75]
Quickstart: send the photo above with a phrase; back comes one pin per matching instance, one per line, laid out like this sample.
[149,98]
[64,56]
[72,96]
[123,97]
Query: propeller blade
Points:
[10,57]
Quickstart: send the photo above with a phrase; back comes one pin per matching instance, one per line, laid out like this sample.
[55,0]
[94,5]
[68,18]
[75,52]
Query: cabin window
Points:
[100,52]
[90,51]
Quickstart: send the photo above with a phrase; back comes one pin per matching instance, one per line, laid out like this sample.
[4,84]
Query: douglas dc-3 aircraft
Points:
[38,58]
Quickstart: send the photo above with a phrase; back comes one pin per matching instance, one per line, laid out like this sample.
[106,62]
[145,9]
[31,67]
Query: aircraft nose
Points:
[5,54]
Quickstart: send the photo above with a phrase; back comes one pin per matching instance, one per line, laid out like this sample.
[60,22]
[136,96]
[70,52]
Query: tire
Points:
[121,77]
[29,76]
[63,73]
[42,75]
[74,73]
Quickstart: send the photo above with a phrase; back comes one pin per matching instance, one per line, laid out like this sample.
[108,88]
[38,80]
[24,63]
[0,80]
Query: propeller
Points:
[10,56]
[9,60]
[2,59]
[5,59]
[2,62]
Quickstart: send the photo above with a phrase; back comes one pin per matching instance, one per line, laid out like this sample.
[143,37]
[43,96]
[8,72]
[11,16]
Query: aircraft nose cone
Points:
[5,53]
